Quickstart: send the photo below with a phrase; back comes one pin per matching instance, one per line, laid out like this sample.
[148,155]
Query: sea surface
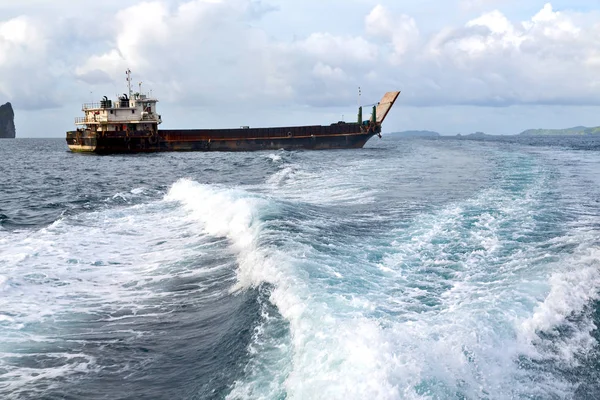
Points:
[410,269]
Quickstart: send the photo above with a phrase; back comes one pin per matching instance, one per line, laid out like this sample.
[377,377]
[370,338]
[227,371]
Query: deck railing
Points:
[91,119]
[90,106]
[93,106]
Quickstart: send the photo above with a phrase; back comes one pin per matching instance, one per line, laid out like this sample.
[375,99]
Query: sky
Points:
[497,66]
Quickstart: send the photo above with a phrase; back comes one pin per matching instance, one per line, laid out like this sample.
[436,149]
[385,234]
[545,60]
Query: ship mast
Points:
[128,73]
[359,108]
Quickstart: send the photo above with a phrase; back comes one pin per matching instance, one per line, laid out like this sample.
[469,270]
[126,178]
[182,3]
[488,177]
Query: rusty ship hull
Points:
[338,136]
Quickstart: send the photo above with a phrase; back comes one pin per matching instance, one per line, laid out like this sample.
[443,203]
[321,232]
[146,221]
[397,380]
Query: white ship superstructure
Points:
[132,114]
[135,109]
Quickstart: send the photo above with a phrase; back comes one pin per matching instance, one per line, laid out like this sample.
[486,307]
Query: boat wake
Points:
[313,281]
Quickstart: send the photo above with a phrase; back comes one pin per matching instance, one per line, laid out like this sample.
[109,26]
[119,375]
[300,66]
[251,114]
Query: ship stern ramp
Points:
[385,105]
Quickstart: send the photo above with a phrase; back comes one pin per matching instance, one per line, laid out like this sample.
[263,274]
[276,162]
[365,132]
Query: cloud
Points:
[205,52]
[26,71]
[199,53]
[549,59]
[401,31]
[336,49]
[471,5]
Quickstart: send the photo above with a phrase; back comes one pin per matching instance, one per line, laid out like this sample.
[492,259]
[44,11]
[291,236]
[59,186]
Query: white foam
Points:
[341,352]
[274,157]
[108,266]
[333,355]
[224,213]
[22,380]
[6,318]
[470,332]
[570,292]
[280,177]
[335,185]
[137,191]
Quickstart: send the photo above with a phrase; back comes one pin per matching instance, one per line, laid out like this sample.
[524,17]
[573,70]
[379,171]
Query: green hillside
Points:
[578,130]
[415,134]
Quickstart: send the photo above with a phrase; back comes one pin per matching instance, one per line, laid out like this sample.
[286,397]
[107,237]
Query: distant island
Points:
[408,134]
[7,122]
[473,135]
[578,130]
[431,134]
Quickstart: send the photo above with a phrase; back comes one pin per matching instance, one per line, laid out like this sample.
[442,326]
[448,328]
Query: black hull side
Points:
[141,145]
[338,136]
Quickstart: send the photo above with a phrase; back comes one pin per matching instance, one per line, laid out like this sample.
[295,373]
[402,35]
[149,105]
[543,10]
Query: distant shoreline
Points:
[575,131]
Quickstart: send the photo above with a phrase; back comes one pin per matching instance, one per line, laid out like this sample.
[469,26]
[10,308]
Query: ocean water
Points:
[410,269]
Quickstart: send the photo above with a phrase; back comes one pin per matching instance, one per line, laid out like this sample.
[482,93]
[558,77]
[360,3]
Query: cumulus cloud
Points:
[23,56]
[548,59]
[38,55]
[206,52]
[401,31]
[203,52]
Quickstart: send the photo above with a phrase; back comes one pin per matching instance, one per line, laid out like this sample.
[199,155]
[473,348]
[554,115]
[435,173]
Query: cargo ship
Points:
[130,125]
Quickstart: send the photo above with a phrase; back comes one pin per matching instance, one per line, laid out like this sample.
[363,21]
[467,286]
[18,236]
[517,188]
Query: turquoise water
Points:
[417,269]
